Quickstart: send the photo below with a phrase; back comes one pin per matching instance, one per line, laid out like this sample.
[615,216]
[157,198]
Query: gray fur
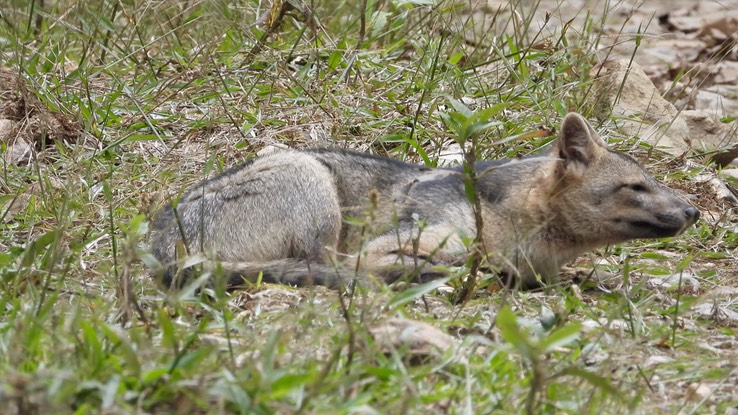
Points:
[281,215]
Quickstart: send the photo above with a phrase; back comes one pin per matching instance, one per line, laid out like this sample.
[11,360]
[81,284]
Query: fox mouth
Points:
[646,229]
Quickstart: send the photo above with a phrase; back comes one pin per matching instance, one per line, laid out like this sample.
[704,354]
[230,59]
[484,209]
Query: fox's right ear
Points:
[578,141]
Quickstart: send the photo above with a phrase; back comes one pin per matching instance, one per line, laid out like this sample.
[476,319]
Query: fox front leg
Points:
[422,257]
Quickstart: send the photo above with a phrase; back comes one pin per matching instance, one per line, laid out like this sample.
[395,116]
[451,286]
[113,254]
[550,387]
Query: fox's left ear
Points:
[578,141]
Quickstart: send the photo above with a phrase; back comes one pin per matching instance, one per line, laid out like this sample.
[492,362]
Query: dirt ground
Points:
[687,47]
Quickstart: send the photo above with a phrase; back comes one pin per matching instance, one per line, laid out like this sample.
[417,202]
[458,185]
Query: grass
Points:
[156,95]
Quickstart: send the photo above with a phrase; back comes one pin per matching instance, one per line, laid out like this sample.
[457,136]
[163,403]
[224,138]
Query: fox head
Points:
[607,195]
[591,196]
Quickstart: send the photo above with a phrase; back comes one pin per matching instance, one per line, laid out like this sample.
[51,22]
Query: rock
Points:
[719,189]
[697,392]
[689,282]
[709,135]
[420,340]
[592,354]
[14,206]
[670,49]
[657,360]
[715,312]
[6,130]
[615,325]
[625,92]
[715,99]
[451,155]
[727,73]
[719,27]
[732,173]
[18,151]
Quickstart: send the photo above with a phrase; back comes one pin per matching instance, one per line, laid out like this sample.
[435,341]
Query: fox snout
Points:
[689,217]
[692,214]
[662,224]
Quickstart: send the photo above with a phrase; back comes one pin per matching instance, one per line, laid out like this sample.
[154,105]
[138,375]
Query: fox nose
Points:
[692,214]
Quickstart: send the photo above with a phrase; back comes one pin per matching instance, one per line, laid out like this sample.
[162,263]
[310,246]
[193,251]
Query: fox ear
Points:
[578,141]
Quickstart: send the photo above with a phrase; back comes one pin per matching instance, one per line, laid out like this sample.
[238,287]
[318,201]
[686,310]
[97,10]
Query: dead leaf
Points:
[38,124]
[717,313]
[419,339]
[20,152]
[15,205]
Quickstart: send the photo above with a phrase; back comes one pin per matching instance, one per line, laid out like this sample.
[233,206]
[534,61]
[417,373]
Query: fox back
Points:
[328,216]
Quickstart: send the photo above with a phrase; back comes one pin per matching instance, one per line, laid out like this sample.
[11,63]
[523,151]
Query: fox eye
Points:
[634,187]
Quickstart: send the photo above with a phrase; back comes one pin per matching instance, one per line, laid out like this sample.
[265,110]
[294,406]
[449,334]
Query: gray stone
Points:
[626,93]
[711,136]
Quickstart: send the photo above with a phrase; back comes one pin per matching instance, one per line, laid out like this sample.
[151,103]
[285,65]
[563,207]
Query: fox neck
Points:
[543,254]
[546,236]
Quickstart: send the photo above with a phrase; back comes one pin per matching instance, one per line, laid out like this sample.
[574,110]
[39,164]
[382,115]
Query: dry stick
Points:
[536,384]
[424,94]
[225,107]
[106,38]
[362,24]
[609,51]
[315,387]
[39,20]
[476,255]
[345,311]
[351,292]
[129,298]
[274,18]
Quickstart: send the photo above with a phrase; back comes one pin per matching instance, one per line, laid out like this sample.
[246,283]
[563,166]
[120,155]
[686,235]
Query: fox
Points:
[328,216]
